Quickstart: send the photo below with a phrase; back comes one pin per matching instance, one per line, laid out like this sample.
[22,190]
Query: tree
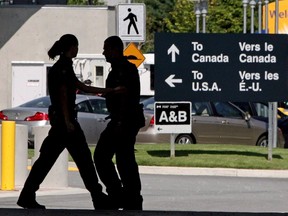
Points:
[156,12]
[83,2]
[224,16]
[182,18]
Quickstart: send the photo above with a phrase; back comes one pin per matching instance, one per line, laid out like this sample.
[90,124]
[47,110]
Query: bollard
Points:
[21,154]
[58,175]
[8,155]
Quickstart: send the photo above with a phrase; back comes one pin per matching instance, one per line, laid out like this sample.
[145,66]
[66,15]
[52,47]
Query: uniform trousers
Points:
[56,141]
[119,140]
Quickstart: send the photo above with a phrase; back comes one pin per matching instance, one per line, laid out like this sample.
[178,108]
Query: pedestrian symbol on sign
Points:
[132,21]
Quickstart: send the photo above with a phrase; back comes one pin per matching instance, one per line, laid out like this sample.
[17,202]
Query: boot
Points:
[28,201]
[133,203]
[101,202]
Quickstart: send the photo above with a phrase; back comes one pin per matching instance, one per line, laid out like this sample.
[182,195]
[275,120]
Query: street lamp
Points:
[204,11]
[200,7]
[252,5]
[197,14]
[245,3]
[259,16]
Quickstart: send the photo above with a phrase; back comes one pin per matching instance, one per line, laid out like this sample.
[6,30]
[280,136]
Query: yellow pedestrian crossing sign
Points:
[134,55]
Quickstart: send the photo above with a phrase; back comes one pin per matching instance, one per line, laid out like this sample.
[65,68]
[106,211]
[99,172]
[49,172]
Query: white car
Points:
[91,115]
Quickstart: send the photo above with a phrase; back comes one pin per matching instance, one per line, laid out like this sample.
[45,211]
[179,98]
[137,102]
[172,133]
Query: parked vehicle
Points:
[91,115]
[214,123]
[259,110]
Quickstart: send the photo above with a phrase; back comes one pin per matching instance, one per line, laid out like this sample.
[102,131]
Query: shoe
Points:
[30,204]
[133,203]
[101,202]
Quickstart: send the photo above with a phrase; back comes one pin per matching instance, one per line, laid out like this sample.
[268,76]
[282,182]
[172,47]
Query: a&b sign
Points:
[173,117]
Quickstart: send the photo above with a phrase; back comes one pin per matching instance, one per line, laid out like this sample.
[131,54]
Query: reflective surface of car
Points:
[91,115]
[259,110]
[212,122]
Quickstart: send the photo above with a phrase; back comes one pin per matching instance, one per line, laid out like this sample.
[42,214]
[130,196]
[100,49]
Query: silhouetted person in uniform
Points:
[119,136]
[132,21]
[65,131]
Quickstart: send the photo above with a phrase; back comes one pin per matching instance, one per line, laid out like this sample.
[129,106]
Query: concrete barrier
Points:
[58,175]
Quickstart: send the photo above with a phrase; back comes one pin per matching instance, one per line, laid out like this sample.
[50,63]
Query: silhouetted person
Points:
[119,136]
[65,131]
[132,21]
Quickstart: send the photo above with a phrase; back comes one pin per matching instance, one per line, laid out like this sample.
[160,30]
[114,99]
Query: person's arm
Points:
[64,105]
[97,90]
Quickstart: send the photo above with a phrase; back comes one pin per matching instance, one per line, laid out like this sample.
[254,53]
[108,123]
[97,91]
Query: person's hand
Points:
[120,89]
[70,127]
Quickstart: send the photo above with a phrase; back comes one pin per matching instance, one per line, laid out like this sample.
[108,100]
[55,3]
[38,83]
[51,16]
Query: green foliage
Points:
[224,16]
[211,156]
[182,18]
[83,2]
[207,155]
[156,12]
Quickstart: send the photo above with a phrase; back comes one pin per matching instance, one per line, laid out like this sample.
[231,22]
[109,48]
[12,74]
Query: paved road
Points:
[181,192]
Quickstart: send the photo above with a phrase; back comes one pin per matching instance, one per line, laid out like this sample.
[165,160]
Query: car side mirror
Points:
[247,116]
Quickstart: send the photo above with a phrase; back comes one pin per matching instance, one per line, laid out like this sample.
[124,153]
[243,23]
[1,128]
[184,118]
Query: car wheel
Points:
[263,141]
[184,139]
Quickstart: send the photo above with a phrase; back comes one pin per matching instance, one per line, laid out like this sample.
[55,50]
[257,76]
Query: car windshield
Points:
[148,104]
[43,102]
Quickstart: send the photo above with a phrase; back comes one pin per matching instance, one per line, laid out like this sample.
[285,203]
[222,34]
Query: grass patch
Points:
[208,155]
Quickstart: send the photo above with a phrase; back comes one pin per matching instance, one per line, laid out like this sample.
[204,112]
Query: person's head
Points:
[67,45]
[113,48]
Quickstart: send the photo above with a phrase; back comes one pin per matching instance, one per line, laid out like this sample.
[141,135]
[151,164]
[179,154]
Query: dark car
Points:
[259,110]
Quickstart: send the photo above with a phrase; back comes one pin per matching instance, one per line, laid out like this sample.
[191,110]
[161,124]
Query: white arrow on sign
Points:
[170,80]
[173,50]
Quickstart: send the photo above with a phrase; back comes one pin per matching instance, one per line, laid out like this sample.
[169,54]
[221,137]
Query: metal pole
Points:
[275,104]
[259,16]
[204,8]
[266,16]
[172,145]
[245,3]
[276,16]
[197,13]
[252,5]
[270,138]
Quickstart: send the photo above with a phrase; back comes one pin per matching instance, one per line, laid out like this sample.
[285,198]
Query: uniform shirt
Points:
[60,74]
[123,106]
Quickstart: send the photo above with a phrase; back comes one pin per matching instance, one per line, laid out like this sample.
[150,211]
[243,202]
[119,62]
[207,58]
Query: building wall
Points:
[27,33]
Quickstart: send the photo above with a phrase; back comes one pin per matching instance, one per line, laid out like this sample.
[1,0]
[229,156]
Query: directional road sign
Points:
[173,117]
[134,55]
[221,67]
[131,22]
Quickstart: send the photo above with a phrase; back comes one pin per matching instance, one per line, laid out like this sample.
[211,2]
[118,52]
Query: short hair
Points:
[115,42]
